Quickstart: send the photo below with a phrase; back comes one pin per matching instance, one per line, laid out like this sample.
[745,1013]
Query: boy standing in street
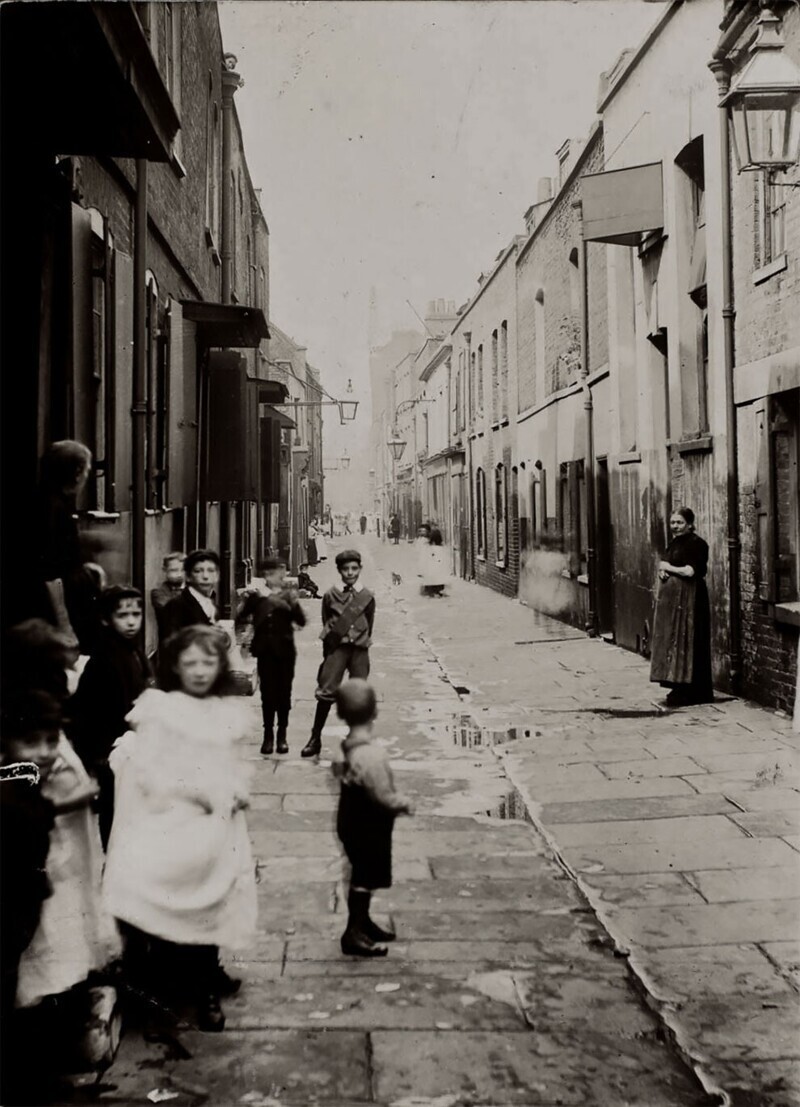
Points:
[348,615]
[170,587]
[116,674]
[196,603]
[274,616]
[368,806]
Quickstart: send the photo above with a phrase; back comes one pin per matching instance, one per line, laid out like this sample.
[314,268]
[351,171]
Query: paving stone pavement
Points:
[682,828]
[502,988]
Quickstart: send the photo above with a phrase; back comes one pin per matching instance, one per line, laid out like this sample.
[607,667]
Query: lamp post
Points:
[396,446]
[764,103]
[402,407]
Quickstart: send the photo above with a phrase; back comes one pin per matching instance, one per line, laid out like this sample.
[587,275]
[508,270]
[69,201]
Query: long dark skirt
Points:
[681,651]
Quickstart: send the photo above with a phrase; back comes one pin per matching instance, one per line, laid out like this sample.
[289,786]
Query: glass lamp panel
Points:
[766,129]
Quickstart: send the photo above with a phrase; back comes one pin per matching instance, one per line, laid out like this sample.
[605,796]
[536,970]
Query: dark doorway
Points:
[605,552]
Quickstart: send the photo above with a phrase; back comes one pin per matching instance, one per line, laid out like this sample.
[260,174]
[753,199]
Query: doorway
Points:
[604,592]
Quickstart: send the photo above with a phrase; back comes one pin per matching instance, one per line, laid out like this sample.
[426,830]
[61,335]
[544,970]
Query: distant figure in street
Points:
[348,616]
[305,583]
[275,615]
[394,528]
[194,605]
[169,589]
[681,649]
[67,587]
[363,523]
[180,871]
[115,675]
[431,560]
[368,806]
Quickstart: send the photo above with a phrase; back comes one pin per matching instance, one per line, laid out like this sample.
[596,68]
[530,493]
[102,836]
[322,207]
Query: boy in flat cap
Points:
[348,615]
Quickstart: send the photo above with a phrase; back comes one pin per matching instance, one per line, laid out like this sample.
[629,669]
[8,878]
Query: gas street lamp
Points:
[396,446]
[764,102]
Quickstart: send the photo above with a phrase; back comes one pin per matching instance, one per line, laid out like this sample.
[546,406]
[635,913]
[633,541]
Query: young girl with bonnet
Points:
[179,871]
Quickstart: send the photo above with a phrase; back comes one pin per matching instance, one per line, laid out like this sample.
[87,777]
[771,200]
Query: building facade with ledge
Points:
[140,288]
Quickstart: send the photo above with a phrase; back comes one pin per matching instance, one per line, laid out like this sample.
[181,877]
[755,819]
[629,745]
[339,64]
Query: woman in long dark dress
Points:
[681,652]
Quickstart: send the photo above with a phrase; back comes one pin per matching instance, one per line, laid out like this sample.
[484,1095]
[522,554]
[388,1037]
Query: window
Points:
[771,209]
[495,379]
[501,513]
[538,323]
[504,369]
[563,521]
[778,497]
[156,432]
[480,379]
[480,512]
[692,258]
[425,432]
[212,166]
[234,236]
[574,283]
[100,493]
[473,392]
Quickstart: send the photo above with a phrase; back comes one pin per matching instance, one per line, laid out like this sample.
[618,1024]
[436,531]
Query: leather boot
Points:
[282,746]
[356,941]
[313,746]
[376,933]
[268,743]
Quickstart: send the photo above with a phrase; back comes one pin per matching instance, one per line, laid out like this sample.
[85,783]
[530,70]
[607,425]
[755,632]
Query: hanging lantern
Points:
[396,446]
[347,410]
[764,103]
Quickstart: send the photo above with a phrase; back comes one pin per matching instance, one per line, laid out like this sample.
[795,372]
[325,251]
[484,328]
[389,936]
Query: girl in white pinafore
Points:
[179,870]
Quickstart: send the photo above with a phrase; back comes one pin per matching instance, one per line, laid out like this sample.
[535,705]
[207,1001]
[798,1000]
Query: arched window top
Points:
[539,297]
[573,256]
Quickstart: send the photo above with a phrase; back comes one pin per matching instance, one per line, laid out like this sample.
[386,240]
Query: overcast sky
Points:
[398,144]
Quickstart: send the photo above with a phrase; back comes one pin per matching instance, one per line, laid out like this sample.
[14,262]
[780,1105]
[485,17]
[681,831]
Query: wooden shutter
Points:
[181,408]
[232,469]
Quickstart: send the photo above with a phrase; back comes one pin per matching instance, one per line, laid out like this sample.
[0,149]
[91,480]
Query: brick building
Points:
[484,358]
[139,283]
[766,285]
[552,441]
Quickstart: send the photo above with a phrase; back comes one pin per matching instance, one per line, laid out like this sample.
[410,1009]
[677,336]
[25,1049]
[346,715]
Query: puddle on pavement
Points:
[510,806]
[469,734]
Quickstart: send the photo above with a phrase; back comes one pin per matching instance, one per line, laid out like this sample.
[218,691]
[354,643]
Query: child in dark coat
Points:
[305,582]
[368,806]
[275,615]
[348,616]
[115,676]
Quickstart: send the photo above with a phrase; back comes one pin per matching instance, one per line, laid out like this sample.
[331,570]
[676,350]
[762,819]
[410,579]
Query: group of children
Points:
[149,777]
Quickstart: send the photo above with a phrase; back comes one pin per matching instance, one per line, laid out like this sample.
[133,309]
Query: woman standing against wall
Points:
[681,654]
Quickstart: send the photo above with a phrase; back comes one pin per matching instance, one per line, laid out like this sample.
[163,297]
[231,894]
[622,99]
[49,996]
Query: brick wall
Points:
[544,264]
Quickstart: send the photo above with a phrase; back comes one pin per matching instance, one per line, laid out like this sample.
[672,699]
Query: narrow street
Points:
[502,988]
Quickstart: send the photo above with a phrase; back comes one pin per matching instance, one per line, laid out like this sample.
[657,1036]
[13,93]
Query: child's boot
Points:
[355,940]
[377,933]
[283,746]
[313,746]
[268,742]
[268,715]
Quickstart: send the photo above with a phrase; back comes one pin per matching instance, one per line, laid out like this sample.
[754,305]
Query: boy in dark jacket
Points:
[368,806]
[115,676]
[348,615]
[274,616]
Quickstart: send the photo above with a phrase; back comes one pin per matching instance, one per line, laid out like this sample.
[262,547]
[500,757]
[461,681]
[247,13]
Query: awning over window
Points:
[227,326]
[83,80]
[280,417]
[622,205]
[271,392]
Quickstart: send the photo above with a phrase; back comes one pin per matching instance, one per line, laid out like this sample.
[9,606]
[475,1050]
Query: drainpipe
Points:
[139,405]
[588,407]
[721,70]
[230,82]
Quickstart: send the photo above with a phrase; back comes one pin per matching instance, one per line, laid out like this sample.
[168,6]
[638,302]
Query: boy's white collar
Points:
[357,587]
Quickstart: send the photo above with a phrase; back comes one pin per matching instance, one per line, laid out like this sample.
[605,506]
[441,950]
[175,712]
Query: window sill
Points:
[566,574]
[583,579]
[102,516]
[787,613]
[633,457]
[703,444]
[500,565]
[778,265]
[481,557]
[495,426]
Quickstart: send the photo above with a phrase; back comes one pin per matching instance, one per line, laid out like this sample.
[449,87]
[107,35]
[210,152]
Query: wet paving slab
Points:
[502,987]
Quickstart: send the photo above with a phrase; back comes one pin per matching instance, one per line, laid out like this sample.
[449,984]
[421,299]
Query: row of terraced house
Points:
[136,298]
[616,361]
